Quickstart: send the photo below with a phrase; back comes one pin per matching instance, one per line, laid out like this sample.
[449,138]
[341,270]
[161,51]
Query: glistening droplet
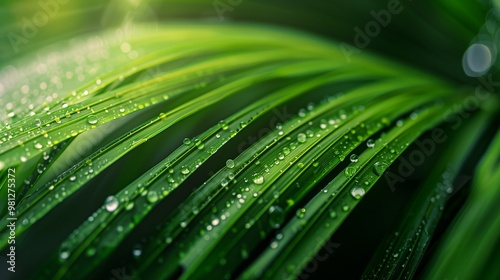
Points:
[92,119]
[230,163]
[111,203]
[258,179]
[357,192]
[276,216]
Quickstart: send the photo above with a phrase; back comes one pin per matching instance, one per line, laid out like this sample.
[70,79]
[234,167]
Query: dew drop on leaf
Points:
[64,252]
[350,171]
[223,125]
[224,182]
[64,255]
[111,203]
[230,163]
[92,119]
[301,138]
[370,143]
[333,214]
[152,196]
[129,206]
[185,170]
[137,250]
[357,192]
[200,145]
[258,179]
[276,216]
[301,213]
[379,168]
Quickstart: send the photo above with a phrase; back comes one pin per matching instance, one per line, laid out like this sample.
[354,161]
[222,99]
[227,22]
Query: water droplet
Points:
[224,182]
[200,145]
[111,203]
[333,214]
[223,125]
[379,168]
[301,213]
[276,216]
[38,146]
[345,208]
[129,206]
[357,192]
[230,163]
[309,133]
[187,142]
[72,178]
[301,138]
[64,255]
[152,196]
[38,122]
[370,143]
[23,159]
[92,119]
[137,250]
[185,170]
[354,158]
[215,222]
[2,165]
[258,179]
[350,171]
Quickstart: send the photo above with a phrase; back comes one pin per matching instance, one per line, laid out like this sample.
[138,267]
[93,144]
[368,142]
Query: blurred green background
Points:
[422,34]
